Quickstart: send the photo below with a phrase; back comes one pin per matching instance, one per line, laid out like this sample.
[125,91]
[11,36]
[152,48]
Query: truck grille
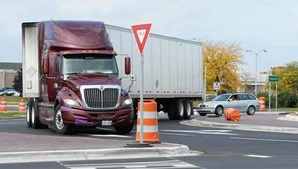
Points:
[101,97]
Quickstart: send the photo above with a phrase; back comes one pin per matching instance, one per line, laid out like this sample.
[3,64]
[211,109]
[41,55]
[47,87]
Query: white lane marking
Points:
[259,139]
[176,134]
[106,135]
[212,132]
[257,156]
[150,164]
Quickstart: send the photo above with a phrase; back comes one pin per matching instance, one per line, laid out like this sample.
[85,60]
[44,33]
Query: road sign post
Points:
[141,33]
[273,79]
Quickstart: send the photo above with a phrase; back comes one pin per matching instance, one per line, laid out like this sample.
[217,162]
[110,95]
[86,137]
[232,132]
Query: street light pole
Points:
[256,77]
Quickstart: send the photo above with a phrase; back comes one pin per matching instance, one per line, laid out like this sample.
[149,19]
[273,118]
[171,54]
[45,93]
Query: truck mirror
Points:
[45,65]
[127,65]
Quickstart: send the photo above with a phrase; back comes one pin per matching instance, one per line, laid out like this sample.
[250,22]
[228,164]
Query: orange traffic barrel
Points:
[150,122]
[3,104]
[262,103]
[232,114]
[22,105]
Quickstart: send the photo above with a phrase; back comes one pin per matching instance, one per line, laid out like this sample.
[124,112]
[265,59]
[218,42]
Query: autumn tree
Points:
[221,60]
[288,76]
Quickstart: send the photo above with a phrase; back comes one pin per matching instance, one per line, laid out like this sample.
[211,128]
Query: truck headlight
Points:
[127,102]
[71,103]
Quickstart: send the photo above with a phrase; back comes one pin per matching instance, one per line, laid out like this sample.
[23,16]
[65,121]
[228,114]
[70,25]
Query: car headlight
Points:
[127,102]
[71,102]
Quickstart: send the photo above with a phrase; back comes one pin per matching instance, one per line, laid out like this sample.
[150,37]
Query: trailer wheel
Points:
[188,109]
[36,124]
[28,113]
[124,129]
[59,126]
[177,109]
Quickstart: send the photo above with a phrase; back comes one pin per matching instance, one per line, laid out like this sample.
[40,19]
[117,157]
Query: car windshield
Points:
[222,97]
[89,63]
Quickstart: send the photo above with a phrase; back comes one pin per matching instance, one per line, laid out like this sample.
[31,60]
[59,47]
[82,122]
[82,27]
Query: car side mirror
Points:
[127,65]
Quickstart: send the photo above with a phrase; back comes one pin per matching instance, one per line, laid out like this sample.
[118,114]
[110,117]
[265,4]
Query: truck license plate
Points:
[106,123]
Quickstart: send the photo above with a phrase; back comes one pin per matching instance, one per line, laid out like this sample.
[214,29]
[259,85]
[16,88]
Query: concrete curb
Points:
[96,154]
[289,117]
[246,127]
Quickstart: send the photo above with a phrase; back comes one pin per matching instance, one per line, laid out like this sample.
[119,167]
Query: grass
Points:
[11,114]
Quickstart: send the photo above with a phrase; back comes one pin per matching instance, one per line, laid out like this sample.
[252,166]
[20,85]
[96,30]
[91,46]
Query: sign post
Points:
[141,32]
[273,79]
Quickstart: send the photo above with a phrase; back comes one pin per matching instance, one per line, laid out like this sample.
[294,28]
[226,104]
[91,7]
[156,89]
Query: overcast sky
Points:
[255,24]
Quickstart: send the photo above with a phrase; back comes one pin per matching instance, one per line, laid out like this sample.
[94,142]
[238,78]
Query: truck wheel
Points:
[177,109]
[188,109]
[36,124]
[180,109]
[124,129]
[28,113]
[59,126]
[219,110]
[251,110]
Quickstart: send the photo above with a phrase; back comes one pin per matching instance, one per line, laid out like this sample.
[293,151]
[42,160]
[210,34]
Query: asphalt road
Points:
[224,149]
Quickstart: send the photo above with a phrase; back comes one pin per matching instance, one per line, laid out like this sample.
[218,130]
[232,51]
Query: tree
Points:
[246,79]
[288,77]
[221,60]
[18,82]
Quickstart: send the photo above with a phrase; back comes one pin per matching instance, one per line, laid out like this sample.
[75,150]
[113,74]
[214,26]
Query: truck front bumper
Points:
[77,117]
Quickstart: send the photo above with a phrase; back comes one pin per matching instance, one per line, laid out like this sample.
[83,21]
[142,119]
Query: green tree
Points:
[221,60]
[18,82]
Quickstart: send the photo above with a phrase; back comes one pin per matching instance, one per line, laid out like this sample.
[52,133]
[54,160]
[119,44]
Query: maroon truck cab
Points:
[79,79]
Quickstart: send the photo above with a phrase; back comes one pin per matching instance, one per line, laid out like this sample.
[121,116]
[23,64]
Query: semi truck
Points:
[87,74]
[71,78]
[172,67]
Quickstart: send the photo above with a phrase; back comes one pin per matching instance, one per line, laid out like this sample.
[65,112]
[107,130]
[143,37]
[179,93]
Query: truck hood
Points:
[93,79]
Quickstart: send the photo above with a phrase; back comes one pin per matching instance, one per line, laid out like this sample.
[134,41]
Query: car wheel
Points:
[219,110]
[28,113]
[202,114]
[251,110]
[188,109]
[59,126]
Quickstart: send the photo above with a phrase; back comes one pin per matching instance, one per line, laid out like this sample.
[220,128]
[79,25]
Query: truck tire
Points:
[28,113]
[59,127]
[36,124]
[188,109]
[177,109]
[124,129]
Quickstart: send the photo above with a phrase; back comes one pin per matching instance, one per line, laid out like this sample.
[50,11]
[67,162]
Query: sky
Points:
[254,24]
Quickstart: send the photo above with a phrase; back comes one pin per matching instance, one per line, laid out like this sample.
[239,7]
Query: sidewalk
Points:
[280,122]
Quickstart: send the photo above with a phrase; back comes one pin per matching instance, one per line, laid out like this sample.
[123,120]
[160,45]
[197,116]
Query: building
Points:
[249,83]
[8,71]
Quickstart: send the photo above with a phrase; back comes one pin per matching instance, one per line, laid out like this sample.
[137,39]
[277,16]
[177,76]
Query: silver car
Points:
[243,102]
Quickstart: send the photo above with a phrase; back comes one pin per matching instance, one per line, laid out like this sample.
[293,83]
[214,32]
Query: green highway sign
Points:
[273,78]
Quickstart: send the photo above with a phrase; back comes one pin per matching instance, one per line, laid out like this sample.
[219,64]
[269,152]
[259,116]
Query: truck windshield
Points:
[89,63]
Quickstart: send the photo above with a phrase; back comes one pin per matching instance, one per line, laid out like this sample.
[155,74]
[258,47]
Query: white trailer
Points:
[172,67]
